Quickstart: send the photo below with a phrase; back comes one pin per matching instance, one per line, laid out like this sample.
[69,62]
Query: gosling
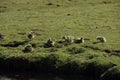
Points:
[80,40]
[28,48]
[31,35]
[69,39]
[101,39]
[50,42]
[1,37]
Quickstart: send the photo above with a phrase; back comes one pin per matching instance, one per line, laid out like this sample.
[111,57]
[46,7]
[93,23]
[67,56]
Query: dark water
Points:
[30,76]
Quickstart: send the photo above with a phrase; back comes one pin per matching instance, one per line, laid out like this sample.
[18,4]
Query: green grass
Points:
[55,19]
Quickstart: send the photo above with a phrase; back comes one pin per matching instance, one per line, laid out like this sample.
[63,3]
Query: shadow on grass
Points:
[15,43]
[92,47]
[96,42]
[55,63]
[108,51]
[112,52]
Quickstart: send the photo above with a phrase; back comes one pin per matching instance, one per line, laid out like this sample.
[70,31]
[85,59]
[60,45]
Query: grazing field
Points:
[55,19]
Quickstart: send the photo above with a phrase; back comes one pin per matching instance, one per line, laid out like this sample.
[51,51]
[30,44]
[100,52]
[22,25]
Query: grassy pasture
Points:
[56,18]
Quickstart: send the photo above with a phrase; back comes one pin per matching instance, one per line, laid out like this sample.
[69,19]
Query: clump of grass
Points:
[92,56]
[58,45]
[92,47]
[74,65]
[96,68]
[53,49]
[80,65]
[54,61]
[75,50]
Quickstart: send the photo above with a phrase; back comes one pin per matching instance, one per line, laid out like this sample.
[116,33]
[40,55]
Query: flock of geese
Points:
[67,39]
[51,43]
